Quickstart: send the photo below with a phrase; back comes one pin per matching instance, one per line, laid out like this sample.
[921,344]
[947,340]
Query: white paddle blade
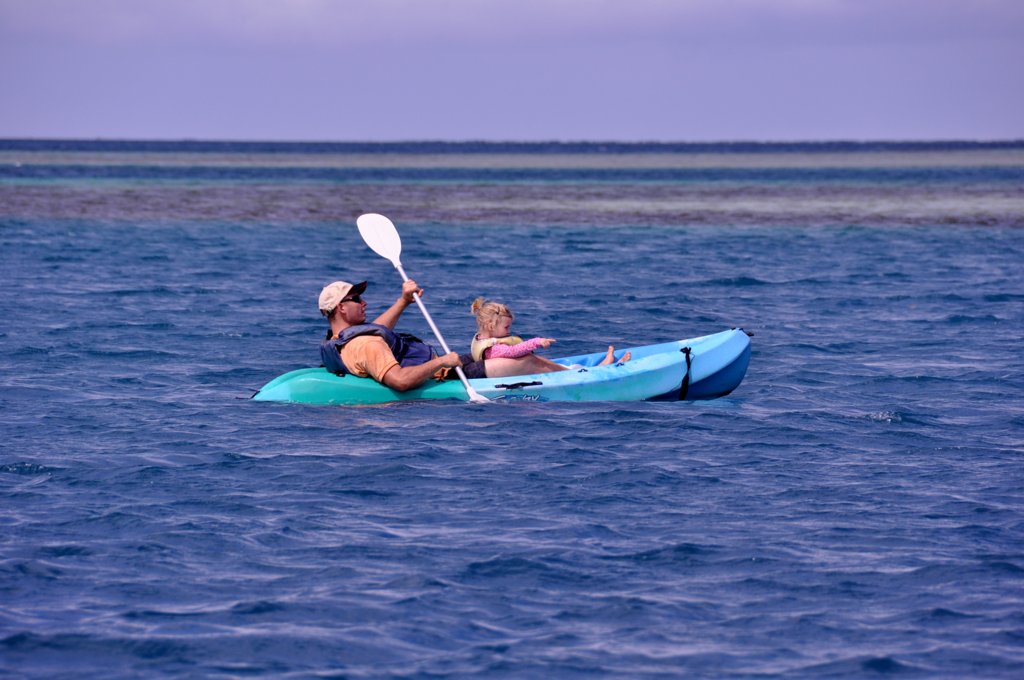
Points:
[475,396]
[380,234]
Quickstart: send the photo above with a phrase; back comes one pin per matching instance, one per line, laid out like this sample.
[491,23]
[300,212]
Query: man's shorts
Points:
[472,369]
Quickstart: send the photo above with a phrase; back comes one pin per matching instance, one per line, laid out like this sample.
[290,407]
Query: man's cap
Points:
[333,293]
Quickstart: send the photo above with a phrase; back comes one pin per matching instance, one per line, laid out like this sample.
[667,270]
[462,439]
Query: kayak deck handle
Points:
[685,387]
[516,386]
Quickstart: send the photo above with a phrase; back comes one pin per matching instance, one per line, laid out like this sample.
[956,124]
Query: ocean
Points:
[855,508]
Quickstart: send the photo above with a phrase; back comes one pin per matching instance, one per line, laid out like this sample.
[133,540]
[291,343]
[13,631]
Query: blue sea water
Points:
[854,509]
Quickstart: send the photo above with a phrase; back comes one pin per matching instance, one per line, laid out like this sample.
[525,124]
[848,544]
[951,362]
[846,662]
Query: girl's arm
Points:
[500,351]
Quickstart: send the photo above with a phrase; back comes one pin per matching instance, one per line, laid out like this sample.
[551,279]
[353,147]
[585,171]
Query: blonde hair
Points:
[487,313]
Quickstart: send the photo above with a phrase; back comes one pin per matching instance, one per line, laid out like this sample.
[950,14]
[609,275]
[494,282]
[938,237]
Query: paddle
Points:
[380,235]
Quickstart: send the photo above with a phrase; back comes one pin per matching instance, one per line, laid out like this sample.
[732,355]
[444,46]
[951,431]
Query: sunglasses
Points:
[355,298]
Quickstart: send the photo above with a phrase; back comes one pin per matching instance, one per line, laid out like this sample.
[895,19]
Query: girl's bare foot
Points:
[609,358]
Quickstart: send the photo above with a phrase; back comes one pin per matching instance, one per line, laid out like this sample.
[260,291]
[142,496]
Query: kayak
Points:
[706,367]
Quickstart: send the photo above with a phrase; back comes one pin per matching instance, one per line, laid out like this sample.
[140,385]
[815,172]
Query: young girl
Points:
[494,340]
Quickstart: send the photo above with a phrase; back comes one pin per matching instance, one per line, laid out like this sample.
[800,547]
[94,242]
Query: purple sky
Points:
[367,70]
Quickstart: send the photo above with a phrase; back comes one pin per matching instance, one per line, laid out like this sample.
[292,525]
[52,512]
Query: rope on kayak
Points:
[686,378]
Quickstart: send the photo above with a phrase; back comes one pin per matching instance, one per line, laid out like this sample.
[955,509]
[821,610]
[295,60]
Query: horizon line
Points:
[524,142]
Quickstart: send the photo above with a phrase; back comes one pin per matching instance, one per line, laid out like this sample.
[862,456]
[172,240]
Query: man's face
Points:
[353,311]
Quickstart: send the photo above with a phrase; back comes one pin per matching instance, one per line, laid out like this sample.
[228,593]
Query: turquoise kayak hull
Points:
[717,364]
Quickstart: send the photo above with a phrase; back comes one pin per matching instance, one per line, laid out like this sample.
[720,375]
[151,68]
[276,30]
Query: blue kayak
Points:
[699,368]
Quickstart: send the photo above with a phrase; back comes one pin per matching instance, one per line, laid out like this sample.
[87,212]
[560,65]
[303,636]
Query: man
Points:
[374,350]
[400,361]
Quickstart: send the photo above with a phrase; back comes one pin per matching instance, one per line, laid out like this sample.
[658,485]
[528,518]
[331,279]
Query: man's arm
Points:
[404,378]
[390,317]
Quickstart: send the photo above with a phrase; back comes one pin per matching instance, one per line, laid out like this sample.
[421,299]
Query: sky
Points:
[512,70]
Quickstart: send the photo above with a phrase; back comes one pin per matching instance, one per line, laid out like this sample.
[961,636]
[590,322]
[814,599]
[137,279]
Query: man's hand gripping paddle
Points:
[380,235]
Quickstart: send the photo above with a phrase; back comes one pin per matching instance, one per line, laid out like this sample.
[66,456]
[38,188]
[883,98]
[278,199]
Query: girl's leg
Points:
[531,363]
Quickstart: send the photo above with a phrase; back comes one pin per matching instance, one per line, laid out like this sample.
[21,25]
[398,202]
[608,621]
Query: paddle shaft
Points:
[440,338]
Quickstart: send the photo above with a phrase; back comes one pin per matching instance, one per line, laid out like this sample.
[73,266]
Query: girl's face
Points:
[502,326]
